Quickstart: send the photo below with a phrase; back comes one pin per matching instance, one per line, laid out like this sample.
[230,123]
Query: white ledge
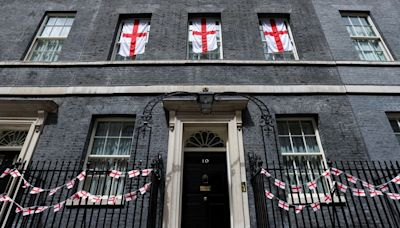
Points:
[159,89]
[194,62]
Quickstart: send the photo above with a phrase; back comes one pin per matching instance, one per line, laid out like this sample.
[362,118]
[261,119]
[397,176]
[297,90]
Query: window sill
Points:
[308,198]
[87,202]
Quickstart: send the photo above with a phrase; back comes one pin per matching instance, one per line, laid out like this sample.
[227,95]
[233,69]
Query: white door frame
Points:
[34,127]
[238,198]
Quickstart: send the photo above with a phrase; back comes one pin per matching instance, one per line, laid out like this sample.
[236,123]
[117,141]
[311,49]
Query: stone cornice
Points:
[195,62]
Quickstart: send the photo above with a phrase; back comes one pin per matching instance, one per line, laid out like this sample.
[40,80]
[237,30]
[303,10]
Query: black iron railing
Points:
[345,210]
[145,211]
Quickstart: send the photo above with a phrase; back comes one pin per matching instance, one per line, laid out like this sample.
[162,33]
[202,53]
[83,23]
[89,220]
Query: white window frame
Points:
[377,36]
[39,32]
[104,202]
[219,41]
[395,117]
[306,197]
[264,42]
[117,43]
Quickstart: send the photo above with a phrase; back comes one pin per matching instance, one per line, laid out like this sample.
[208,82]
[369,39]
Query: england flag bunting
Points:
[396,180]
[282,204]
[15,173]
[81,176]
[28,211]
[368,185]
[269,195]
[146,172]
[58,206]
[394,196]
[384,188]
[295,188]
[133,173]
[265,172]
[358,192]
[312,185]
[36,190]
[40,209]
[351,179]
[279,184]
[328,199]
[134,37]
[276,35]
[203,35]
[373,193]
[316,206]
[130,196]
[70,184]
[299,208]
[5,173]
[342,187]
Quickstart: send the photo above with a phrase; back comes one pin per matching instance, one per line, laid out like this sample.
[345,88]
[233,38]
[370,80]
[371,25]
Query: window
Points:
[395,123]
[206,29]
[49,40]
[110,149]
[365,37]
[302,151]
[132,38]
[277,39]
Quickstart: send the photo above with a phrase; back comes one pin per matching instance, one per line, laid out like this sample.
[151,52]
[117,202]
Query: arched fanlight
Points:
[204,139]
[11,138]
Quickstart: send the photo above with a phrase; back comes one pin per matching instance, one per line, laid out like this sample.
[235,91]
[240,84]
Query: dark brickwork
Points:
[351,127]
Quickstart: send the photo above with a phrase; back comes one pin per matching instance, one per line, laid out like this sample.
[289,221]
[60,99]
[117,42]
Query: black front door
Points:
[205,199]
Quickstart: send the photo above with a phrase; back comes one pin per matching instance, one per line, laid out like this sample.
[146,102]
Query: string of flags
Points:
[111,200]
[372,190]
[78,195]
[71,183]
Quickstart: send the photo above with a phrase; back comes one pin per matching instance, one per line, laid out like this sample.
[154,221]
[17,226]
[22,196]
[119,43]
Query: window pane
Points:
[65,31]
[308,128]
[125,146]
[56,32]
[60,21]
[98,146]
[46,50]
[51,21]
[69,21]
[395,125]
[115,129]
[102,128]
[298,144]
[312,145]
[46,32]
[283,128]
[111,146]
[398,137]
[294,127]
[285,145]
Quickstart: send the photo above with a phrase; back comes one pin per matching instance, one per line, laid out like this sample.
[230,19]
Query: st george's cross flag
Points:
[276,35]
[134,37]
[203,35]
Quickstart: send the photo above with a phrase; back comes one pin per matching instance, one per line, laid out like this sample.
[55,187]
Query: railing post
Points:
[257,182]
[155,185]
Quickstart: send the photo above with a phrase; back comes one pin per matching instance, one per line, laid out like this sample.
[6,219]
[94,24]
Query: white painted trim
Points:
[35,125]
[239,209]
[261,89]
[18,63]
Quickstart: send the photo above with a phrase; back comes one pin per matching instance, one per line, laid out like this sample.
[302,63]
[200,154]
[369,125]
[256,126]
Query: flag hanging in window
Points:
[276,35]
[134,37]
[204,35]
